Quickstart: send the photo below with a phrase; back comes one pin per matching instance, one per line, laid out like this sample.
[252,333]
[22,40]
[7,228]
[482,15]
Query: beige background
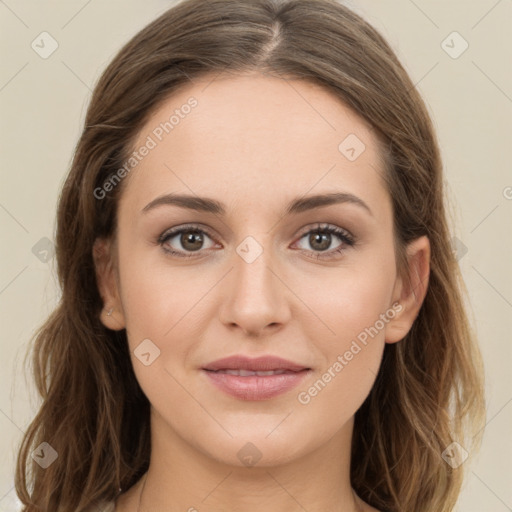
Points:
[43,103]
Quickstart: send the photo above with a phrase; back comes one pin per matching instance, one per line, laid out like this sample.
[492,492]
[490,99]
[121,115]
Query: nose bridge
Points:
[255,297]
[253,278]
[253,261]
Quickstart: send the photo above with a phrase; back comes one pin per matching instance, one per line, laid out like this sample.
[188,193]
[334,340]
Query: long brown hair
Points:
[429,390]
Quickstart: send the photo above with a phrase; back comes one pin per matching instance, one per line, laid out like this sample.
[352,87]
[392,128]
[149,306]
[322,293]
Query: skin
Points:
[255,142]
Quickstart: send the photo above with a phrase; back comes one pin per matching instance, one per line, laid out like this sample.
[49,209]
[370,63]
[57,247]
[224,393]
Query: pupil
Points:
[326,240]
[194,240]
[192,237]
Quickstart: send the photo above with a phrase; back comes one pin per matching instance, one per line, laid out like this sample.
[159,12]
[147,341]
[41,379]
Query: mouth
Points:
[248,373]
[262,378]
[258,364]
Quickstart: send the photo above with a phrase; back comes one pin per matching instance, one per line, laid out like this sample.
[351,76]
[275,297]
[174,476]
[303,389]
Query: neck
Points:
[182,478]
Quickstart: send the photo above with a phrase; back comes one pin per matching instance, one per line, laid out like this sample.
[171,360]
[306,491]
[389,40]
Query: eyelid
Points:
[200,227]
[185,227]
[320,226]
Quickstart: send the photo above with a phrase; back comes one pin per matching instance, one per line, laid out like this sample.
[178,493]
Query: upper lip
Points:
[263,363]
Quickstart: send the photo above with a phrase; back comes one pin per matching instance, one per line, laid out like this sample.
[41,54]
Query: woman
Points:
[260,305]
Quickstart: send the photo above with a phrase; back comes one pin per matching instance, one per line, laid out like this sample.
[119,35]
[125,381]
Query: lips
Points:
[258,364]
[259,378]
[247,373]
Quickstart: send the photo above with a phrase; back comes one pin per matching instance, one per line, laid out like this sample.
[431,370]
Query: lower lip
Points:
[256,387]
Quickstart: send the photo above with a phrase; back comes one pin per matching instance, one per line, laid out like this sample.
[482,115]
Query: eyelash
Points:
[347,239]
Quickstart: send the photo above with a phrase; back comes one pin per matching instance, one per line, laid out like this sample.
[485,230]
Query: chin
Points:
[254,447]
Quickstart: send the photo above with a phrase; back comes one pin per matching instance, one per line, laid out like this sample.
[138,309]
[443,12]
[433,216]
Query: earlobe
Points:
[112,315]
[410,290]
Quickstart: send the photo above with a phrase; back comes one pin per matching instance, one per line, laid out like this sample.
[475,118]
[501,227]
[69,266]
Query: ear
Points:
[112,315]
[410,292]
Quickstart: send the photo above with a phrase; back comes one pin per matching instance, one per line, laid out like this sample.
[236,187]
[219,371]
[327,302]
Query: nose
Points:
[255,298]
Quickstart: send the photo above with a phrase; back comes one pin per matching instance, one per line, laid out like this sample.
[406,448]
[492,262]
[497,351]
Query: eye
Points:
[320,239]
[190,238]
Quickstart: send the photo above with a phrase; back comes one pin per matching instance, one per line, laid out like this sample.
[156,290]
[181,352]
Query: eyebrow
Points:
[298,205]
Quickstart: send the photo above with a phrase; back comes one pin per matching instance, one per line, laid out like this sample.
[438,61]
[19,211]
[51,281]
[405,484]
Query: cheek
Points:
[154,295]
[159,322]
[348,300]
[354,309]
[350,357]
[165,305]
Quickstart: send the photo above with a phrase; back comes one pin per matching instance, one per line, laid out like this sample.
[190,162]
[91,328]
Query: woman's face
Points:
[249,275]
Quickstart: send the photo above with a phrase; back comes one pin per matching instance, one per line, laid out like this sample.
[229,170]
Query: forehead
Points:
[258,138]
